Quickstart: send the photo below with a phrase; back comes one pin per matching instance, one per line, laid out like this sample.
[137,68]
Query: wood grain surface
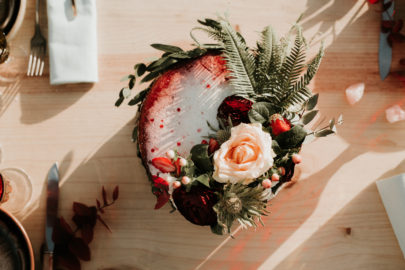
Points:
[332,218]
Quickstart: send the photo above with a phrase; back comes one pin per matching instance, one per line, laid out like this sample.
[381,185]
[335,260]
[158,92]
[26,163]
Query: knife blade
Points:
[385,50]
[51,215]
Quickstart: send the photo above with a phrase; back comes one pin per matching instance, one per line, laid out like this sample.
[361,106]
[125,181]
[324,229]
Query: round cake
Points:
[220,127]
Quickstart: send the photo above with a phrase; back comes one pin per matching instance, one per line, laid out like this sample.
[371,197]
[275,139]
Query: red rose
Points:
[236,108]
[279,124]
[196,205]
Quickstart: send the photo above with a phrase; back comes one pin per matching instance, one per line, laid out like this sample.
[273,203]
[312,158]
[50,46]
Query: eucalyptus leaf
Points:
[139,97]
[324,133]
[150,76]
[165,65]
[135,134]
[156,63]
[312,101]
[203,179]
[126,92]
[259,113]
[332,123]
[308,117]
[200,157]
[132,81]
[119,101]
[125,78]
[166,48]
[141,69]
[292,138]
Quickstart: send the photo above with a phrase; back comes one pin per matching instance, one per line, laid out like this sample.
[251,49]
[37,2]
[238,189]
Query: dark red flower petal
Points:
[196,205]
[236,108]
[162,198]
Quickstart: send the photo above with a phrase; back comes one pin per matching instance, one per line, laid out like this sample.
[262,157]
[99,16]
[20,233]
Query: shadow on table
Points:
[38,106]
[363,223]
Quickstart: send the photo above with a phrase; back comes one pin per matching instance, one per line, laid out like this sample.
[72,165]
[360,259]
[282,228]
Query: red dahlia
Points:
[236,108]
[196,205]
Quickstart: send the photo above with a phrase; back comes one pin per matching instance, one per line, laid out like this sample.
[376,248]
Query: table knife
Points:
[51,215]
[385,50]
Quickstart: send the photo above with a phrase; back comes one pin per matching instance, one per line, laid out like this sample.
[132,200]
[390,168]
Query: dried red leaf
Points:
[67,259]
[104,194]
[115,193]
[104,223]
[62,232]
[90,219]
[87,233]
[79,248]
[81,209]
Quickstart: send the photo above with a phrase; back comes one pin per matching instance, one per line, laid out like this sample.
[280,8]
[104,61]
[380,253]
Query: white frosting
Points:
[197,93]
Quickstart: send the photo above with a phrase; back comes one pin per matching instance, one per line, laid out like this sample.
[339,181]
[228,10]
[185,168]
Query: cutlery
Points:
[38,49]
[51,215]
[385,50]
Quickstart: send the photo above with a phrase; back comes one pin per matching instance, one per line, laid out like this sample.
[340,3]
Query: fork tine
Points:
[39,60]
[34,63]
[42,67]
[29,65]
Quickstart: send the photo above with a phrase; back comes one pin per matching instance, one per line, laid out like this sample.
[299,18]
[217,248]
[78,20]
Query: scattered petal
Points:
[354,93]
[395,114]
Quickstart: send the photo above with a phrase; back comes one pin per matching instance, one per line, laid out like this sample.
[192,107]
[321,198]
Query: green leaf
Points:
[292,138]
[119,101]
[200,157]
[308,117]
[332,123]
[324,133]
[135,134]
[203,179]
[276,148]
[312,101]
[260,112]
[141,69]
[139,97]
[125,78]
[131,83]
[150,77]
[217,229]
[166,48]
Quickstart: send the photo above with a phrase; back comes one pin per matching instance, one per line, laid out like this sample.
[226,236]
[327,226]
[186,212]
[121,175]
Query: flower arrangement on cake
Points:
[220,127]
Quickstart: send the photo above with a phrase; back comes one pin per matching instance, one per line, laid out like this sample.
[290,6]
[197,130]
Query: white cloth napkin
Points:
[72,41]
[392,191]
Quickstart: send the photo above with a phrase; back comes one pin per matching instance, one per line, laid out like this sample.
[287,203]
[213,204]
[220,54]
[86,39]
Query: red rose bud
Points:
[213,146]
[236,108]
[163,164]
[279,124]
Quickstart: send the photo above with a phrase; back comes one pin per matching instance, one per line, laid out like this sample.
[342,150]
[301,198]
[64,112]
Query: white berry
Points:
[176,184]
[183,162]
[296,158]
[275,177]
[266,183]
[185,180]
[170,154]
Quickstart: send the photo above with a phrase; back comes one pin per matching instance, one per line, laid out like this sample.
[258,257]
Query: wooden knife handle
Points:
[48,261]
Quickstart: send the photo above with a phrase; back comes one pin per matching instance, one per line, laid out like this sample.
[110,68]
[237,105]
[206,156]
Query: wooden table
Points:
[78,126]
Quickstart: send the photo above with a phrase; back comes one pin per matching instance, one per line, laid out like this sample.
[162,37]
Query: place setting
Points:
[240,134]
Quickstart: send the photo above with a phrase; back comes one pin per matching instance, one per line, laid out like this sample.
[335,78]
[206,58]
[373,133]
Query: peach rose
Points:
[245,156]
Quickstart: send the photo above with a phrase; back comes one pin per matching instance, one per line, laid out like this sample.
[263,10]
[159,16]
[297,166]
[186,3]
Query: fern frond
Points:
[299,92]
[239,60]
[263,57]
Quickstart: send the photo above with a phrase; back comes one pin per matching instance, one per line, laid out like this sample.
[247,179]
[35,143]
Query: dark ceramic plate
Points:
[15,247]
[9,10]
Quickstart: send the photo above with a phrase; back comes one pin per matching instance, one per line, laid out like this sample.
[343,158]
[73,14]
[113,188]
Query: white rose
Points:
[245,156]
